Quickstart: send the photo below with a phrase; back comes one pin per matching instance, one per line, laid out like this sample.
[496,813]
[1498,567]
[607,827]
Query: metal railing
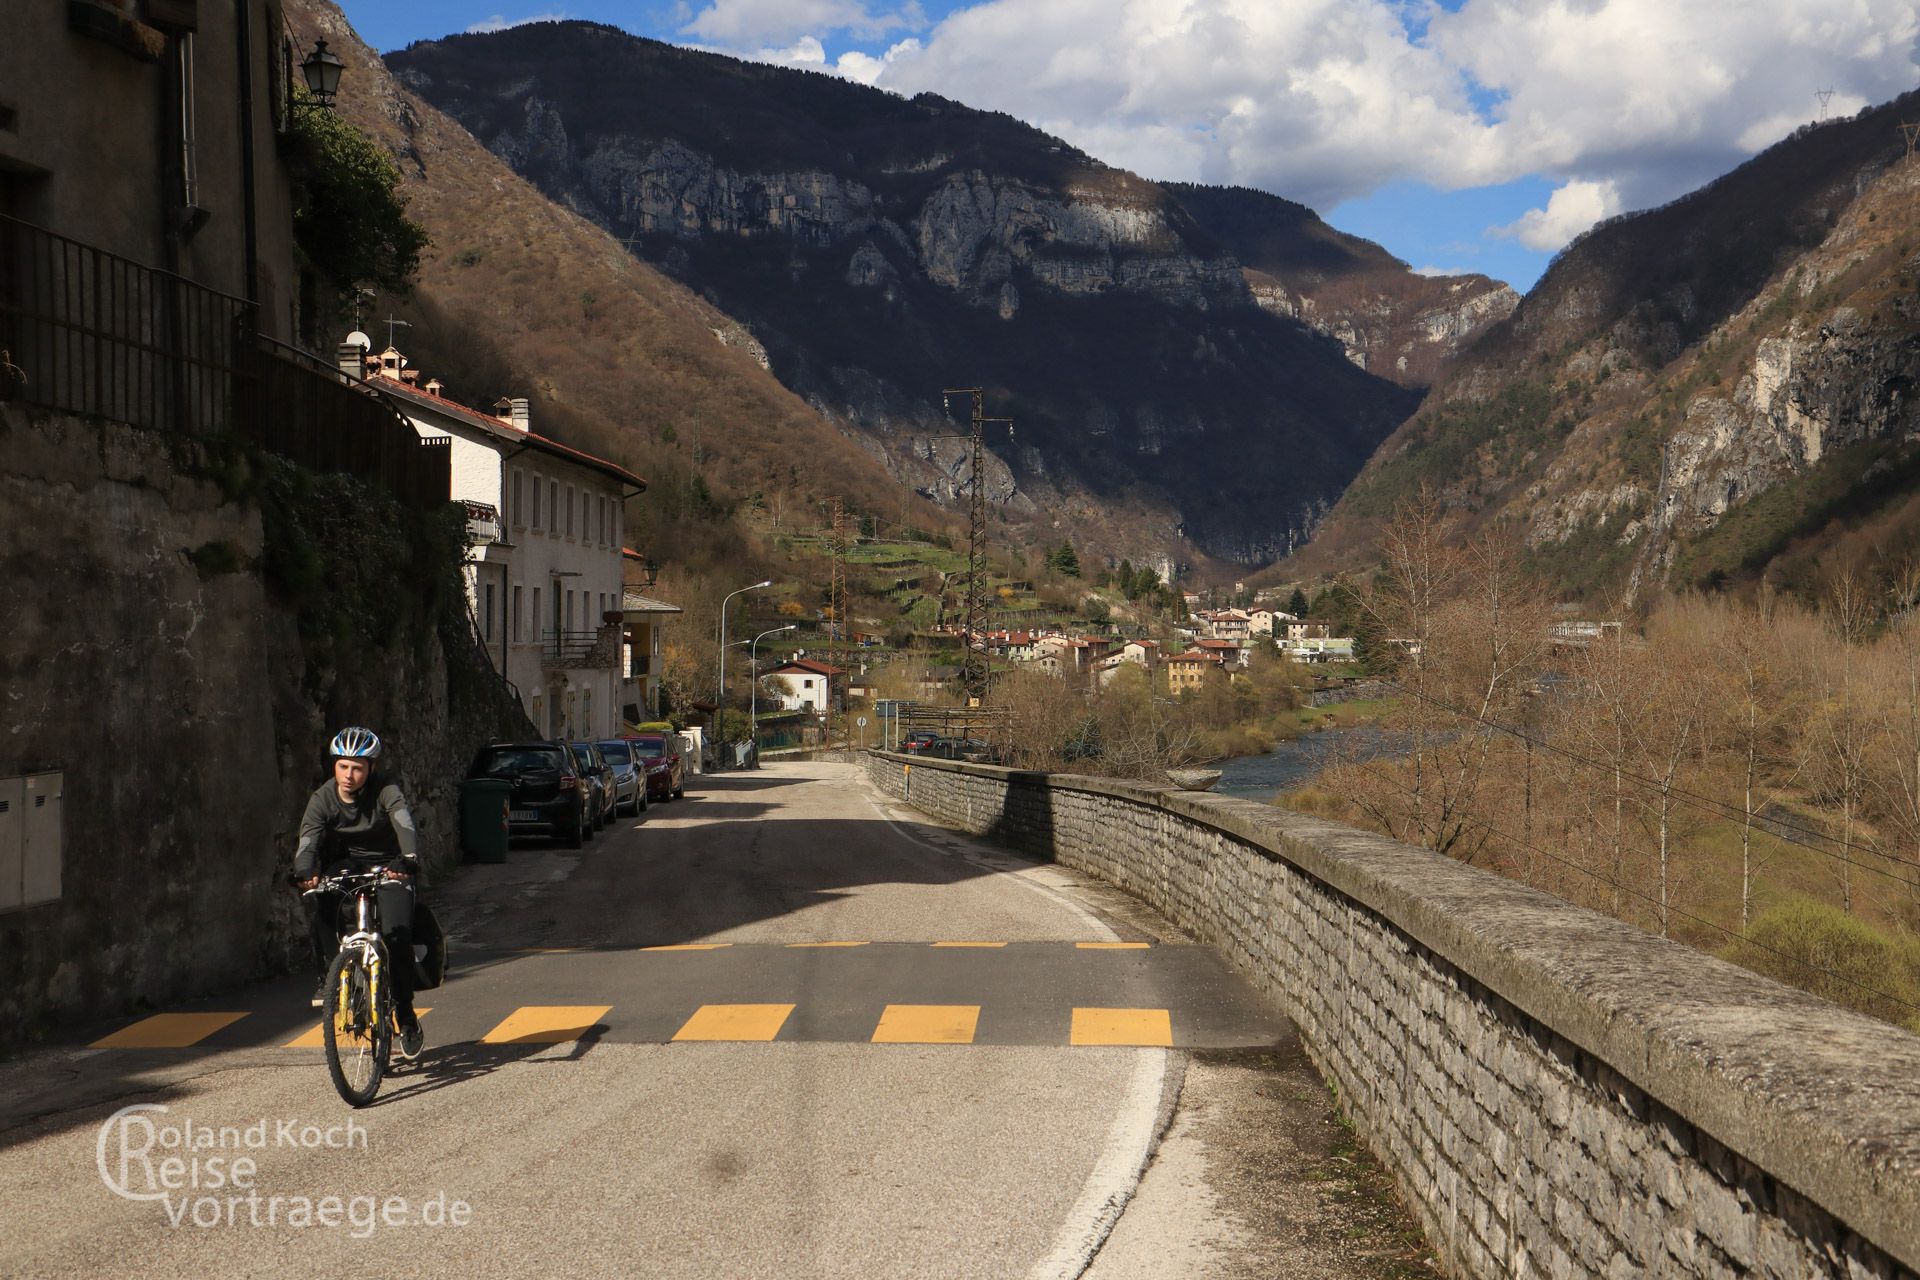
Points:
[574,649]
[91,332]
[86,331]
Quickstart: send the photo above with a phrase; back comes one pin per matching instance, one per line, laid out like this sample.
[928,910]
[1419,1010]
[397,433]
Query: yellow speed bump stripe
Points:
[735,1022]
[969,944]
[167,1031]
[1113,946]
[315,1036]
[546,1024]
[690,946]
[1148,1027]
[927,1024]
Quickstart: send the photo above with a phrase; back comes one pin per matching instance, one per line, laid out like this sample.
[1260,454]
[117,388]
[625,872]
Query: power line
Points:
[1648,898]
[1722,808]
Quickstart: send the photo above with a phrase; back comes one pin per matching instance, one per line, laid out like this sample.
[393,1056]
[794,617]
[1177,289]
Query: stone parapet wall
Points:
[1558,1093]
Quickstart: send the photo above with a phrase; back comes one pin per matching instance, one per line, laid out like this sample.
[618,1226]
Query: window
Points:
[586,712]
[615,539]
[536,622]
[553,508]
[519,516]
[600,521]
[569,511]
[486,614]
[539,701]
[572,625]
[556,608]
[536,512]
[516,613]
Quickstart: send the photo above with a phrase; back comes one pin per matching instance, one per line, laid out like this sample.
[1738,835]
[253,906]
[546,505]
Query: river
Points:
[1290,764]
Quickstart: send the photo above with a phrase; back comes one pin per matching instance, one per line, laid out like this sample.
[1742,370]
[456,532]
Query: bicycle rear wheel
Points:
[357,1034]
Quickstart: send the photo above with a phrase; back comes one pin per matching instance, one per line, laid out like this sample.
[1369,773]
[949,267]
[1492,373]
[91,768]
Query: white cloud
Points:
[500,22]
[1570,210]
[1443,272]
[1328,100]
[738,24]
[866,68]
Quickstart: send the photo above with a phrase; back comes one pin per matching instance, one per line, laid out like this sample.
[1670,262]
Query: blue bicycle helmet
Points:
[355,743]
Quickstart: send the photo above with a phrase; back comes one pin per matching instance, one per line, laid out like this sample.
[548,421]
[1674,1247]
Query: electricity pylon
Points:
[973,662]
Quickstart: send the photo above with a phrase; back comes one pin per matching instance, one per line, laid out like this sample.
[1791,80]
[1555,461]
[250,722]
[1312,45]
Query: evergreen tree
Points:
[1065,561]
[1297,603]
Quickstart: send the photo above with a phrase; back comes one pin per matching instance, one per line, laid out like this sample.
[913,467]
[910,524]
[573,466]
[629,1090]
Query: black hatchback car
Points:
[549,796]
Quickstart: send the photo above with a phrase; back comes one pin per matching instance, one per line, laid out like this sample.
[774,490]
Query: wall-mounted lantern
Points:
[322,70]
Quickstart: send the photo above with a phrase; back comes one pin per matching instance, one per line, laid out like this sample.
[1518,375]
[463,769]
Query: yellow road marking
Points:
[927,1024]
[546,1024]
[1122,1026]
[690,946]
[315,1036]
[1113,946]
[167,1031]
[969,944]
[826,944]
[735,1022]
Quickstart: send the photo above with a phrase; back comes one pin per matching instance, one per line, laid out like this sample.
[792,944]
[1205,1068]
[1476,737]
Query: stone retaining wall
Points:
[1558,1093]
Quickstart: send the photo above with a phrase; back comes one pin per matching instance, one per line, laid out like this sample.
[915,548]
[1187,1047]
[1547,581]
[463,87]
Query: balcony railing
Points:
[89,332]
[581,648]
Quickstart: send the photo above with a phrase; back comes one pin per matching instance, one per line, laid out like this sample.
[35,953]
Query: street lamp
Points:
[322,71]
[753,690]
[721,700]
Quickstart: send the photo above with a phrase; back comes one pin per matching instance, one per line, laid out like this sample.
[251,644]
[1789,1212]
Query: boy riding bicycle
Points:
[356,821]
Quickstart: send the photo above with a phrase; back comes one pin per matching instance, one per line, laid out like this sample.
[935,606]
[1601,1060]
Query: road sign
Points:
[861,721]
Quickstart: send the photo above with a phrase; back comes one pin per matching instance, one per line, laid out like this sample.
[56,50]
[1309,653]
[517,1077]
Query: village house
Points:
[1228,624]
[1261,621]
[640,658]
[1231,652]
[803,684]
[1144,654]
[545,573]
[1192,669]
[1301,629]
[1321,649]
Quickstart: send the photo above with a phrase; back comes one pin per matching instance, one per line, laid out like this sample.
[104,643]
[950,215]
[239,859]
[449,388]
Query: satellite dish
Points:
[360,340]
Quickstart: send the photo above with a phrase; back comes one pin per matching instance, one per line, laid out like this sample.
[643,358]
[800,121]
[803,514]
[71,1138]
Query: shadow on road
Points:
[442,1067]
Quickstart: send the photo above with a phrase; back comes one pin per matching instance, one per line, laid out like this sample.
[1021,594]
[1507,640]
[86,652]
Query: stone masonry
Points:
[1557,1093]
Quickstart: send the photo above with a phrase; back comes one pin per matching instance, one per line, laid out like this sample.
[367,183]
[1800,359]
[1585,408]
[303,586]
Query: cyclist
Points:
[354,822]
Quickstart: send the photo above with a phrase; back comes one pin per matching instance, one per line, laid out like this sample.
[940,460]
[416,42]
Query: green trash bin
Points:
[483,818]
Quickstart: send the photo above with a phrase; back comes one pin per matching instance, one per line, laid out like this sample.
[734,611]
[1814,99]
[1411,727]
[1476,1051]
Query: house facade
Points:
[545,573]
[1192,669]
[803,685]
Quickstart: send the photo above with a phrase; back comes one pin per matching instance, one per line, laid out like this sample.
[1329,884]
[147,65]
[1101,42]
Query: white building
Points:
[802,685]
[544,574]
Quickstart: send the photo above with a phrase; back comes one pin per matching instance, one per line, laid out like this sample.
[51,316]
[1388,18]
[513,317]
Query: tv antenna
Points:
[394,322]
[973,663]
[1825,96]
[1910,133]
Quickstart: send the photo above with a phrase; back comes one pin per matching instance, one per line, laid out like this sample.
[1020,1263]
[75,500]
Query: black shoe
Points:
[320,994]
[412,1040]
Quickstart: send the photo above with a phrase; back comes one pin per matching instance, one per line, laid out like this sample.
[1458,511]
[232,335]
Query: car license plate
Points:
[523,815]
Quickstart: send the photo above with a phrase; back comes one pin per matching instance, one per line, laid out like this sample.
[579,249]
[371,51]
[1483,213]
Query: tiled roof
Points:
[501,430]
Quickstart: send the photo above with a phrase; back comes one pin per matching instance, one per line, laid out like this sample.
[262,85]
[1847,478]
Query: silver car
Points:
[629,792]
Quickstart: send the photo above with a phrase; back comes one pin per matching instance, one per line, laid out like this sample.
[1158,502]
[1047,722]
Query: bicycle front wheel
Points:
[356,1032]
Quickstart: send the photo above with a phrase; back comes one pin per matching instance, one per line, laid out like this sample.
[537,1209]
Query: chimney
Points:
[352,359]
[517,411]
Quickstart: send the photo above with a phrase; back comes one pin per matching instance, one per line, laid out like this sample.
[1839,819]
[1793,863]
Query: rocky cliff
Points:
[1404,327]
[1717,389]
[878,249]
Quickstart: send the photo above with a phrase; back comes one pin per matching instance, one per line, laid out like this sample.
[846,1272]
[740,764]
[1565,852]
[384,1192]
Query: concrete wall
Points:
[177,700]
[1557,1093]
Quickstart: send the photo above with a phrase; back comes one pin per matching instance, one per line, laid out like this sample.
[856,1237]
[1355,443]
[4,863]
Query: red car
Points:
[658,756]
[919,740]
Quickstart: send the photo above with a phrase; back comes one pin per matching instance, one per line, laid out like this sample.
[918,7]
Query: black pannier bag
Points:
[429,949]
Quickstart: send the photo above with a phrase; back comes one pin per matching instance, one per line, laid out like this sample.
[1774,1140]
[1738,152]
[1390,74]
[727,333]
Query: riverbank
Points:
[1240,741]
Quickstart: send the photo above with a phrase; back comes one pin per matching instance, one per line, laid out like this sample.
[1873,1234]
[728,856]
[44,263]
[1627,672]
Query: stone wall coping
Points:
[1824,1099]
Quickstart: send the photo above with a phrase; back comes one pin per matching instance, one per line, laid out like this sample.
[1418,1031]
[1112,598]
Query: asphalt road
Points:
[777,1028]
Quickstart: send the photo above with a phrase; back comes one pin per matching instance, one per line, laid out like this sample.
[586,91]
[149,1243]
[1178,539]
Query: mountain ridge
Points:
[878,248]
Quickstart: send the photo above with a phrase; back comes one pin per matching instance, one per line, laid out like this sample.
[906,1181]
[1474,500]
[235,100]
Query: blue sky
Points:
[1463,135]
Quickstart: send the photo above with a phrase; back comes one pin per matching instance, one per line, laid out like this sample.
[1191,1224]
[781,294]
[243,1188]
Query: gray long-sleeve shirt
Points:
[376,825]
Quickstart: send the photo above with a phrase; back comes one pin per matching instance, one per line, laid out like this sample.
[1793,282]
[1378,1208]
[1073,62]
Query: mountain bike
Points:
[358,1015]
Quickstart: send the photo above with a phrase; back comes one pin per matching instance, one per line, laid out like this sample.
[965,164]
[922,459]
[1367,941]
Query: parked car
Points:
[629,794]
[548,797]
[919,740]
[598,779]
[659,756]
[957,749]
